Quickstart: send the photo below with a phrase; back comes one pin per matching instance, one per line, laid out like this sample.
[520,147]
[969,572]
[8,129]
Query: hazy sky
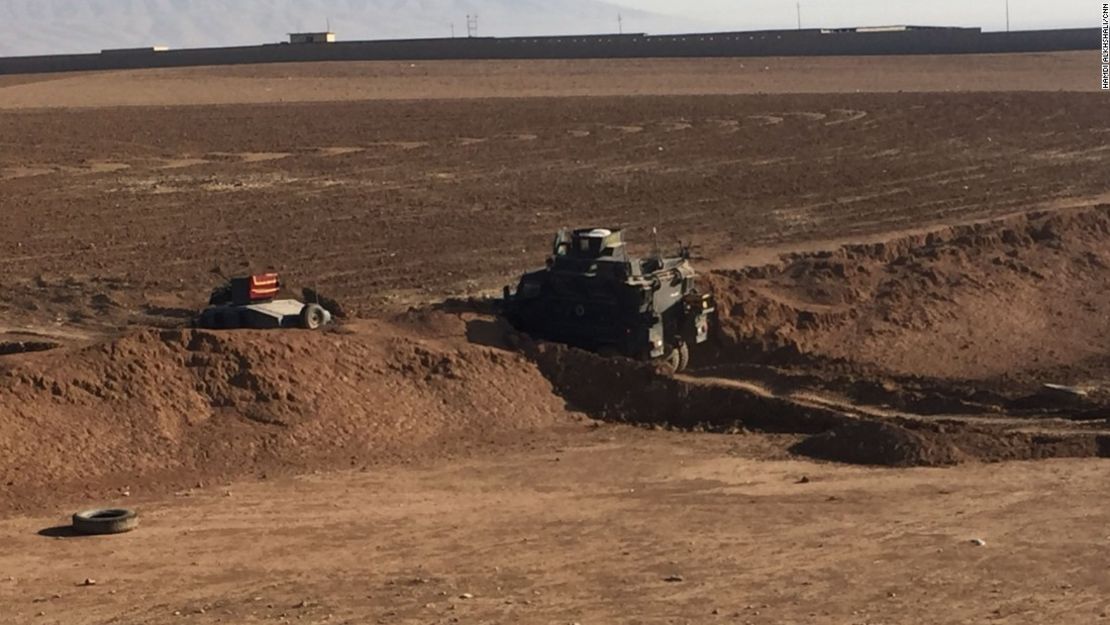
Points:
[990,14]
[60,26]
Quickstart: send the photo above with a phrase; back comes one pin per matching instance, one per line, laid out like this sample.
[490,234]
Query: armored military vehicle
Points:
[595,296]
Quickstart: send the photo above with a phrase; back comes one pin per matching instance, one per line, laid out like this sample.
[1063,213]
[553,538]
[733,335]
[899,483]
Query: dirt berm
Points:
[193,404]
[1000,306]
[908,443]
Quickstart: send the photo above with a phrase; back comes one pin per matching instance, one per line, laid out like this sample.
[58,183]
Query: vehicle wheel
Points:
[313,317]
[111,521]
[672,362]
[683,357]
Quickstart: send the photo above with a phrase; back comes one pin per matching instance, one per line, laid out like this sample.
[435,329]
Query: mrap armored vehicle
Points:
[251,302]
[595,296]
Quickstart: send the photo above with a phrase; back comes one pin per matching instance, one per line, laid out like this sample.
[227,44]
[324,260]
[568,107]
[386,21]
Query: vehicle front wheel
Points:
[676,360]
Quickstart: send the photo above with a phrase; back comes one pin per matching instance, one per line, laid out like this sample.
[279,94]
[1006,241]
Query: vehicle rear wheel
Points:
[683,356]
[676,360]
[313,317]
[672,362]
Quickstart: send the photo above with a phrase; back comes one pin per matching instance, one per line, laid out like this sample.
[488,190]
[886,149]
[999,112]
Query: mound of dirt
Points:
[196,403]
[907,443]
[1005,300]
[879,443]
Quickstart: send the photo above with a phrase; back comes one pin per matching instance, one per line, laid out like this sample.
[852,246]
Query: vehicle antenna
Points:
[655,230]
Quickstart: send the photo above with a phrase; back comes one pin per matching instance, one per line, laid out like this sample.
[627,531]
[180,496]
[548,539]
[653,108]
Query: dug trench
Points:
[930,348]
[972,318]
[925,350]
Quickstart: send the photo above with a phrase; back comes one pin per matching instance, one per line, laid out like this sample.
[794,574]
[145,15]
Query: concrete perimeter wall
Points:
[730,44]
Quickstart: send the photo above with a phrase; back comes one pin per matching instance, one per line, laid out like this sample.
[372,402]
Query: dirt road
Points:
[591,533]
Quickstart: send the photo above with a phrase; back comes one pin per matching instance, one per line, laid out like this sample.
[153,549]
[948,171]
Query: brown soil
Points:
[157,404]
[1016,300]
[420,212]
[903,443]
[119,220]
[879,443]
[588,530]
[345,81]
[945,256]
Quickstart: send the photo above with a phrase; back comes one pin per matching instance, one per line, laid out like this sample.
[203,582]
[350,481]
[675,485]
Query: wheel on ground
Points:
[683,356]
[107,521]
[672,362]
[313,316]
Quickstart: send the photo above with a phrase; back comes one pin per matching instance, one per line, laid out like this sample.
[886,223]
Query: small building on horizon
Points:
[325,37]
[136,50]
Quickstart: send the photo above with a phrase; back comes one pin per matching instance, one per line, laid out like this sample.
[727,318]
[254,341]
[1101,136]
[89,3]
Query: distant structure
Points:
[322,46]
[136,50]
[325,37]
[887,29]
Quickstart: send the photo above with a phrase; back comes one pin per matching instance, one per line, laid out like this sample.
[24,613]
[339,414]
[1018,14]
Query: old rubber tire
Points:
[313,317]
[107,521]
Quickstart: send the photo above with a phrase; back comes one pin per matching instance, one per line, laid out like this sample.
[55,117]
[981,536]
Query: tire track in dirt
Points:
[847,116]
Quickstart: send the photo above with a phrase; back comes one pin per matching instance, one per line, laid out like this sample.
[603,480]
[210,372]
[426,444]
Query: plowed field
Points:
[905,251]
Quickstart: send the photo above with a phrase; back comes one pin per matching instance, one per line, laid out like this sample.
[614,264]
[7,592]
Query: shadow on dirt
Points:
[490,333]
[171,313]
[476,305]
[26,347]
[61,531]
[627,391]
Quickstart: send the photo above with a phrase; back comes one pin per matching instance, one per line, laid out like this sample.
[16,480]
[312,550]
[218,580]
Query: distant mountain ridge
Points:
[31,27]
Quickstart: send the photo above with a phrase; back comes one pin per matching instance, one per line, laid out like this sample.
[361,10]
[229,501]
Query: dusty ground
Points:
[352,81]
[899,273]
[590,533]
[394,203]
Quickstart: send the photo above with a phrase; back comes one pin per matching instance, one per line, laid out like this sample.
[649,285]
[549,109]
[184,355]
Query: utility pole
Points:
[452,30]
[799,15]
[1007,15]
[472,25]
[620,24]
